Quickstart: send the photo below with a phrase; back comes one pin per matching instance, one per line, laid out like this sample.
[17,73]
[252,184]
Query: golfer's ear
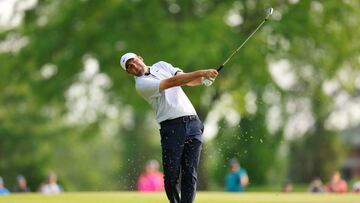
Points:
[141,58]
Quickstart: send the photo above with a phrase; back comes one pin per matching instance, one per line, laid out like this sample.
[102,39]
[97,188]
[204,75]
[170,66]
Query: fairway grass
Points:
[202,197]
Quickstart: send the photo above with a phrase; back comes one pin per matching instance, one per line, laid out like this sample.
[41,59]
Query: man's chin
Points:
[141,73]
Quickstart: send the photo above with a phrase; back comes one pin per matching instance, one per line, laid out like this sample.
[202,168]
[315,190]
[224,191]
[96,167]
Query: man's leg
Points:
[189,165]
[172,143]
[190,160]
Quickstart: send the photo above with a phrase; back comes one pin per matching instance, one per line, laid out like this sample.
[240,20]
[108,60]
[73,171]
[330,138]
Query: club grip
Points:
[221,67]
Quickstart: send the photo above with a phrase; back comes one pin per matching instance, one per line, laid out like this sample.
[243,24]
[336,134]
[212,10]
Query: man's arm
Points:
[187,78]
[244,180]
[197,81]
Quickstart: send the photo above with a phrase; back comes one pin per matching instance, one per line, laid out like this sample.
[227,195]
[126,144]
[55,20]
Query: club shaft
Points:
[242,44]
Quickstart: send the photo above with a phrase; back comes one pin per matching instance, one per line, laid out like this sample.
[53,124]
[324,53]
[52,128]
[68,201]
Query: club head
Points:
[269,12]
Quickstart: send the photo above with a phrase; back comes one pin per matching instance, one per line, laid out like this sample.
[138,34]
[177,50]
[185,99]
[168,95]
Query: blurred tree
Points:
[24,147]
[325,43]
[251,144]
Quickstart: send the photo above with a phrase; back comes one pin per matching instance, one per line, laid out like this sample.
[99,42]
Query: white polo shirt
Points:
[168,104]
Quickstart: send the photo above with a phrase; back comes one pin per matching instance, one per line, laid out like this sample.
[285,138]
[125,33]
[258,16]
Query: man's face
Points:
[234,167]
[52,179]
[22,183]
[336,177]
[135,66]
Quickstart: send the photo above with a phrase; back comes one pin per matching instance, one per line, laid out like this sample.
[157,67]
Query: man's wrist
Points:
[203,73]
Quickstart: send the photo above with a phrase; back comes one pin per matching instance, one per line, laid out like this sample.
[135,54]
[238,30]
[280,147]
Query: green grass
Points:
[202,197]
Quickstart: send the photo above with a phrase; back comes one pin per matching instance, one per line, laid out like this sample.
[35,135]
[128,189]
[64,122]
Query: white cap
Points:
[125,58]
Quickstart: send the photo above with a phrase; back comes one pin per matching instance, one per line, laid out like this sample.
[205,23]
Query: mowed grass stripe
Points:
[202,197]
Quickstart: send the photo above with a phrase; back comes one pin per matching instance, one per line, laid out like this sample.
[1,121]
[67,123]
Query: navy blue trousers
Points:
[181,141]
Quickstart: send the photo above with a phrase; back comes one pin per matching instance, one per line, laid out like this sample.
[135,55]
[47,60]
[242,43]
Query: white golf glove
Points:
[208,81]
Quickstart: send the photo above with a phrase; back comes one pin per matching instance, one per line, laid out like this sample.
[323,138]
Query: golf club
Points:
[269,12]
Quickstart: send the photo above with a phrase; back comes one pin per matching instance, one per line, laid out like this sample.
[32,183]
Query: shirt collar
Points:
[146,74]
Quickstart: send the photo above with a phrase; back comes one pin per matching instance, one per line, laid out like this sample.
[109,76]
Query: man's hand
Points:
[210,73]
[209,76]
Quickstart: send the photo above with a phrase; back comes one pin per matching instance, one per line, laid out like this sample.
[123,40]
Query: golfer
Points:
[180,128]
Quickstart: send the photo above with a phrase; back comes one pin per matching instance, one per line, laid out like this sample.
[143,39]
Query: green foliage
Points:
[322,156]
[138,145]
[251,144]
[24,146]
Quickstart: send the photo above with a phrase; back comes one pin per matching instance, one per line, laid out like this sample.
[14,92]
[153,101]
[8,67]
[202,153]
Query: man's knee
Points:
[171,180]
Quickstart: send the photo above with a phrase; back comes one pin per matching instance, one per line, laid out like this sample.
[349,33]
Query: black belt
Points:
[181,119]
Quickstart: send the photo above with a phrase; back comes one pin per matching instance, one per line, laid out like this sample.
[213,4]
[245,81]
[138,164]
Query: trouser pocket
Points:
[194,128]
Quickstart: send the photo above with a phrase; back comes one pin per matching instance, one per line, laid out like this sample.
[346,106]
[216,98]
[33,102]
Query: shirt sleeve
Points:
[173,70]
[242,173]
[148,88]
